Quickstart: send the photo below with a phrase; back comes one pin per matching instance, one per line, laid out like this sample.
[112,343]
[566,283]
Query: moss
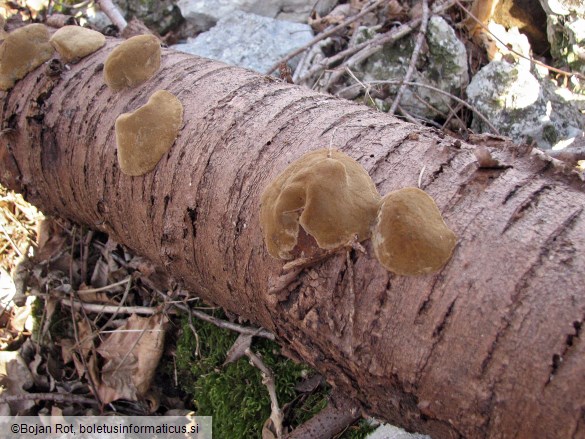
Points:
[234,394]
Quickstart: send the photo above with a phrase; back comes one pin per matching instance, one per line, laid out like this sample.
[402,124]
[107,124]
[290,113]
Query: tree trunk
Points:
[491,346]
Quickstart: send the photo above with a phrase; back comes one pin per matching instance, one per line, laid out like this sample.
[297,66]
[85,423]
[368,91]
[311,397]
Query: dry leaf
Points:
[15,378]
[132,354]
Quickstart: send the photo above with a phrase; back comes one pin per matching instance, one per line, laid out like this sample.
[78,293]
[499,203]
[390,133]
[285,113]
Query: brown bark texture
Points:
[490,347]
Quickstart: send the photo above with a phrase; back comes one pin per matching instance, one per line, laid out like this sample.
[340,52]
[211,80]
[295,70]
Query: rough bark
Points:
[492,346]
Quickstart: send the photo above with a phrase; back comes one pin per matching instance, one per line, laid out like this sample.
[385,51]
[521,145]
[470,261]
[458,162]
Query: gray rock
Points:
[387,431]
[160,15]
[441,64]
[523,107]
[249,40]
[203,14]
[566,31]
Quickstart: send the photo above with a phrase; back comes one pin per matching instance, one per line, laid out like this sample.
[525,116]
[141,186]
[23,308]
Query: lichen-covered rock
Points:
[231,40]
[442,64]
[566,31]
[522,106]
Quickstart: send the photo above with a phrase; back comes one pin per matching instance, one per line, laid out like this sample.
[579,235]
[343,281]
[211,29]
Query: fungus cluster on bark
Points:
[145,135]
[142,136]
[333,199]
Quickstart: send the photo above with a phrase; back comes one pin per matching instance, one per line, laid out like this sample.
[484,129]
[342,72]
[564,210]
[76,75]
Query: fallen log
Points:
[489,347]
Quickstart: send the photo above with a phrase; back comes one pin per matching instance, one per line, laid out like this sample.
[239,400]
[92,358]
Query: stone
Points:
[203,14]
[442,63]
[566,32]
[387,431]
[159,15]
[233,42]
[524,107]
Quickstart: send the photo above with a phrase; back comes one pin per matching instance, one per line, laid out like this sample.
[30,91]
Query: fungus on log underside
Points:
[326,192]
[133,62]
[22,51]
[148,133]
[410,236]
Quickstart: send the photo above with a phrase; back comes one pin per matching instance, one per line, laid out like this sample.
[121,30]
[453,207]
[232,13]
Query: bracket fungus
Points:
[22,51]
[410,236]
[132,62]
[327,193]
[148,133]
[75,42]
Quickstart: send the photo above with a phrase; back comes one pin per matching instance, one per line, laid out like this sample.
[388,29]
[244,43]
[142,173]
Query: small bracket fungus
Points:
[148,133]
[75,42]
[326,192]
[133,62]
[22,51]
[410,236]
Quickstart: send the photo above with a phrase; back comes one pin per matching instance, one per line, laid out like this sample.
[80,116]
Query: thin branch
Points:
[268,380]
[7,236]
[113,13]
[324,35]
[257,332]
[413,59]
[366,49]
[112,309]
[438,90]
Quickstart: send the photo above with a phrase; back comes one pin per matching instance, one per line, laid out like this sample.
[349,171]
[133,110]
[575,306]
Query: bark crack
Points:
[532,200]
[438,335]
[523,285]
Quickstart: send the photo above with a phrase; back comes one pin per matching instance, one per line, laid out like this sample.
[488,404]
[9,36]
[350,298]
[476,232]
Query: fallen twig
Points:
[438,90]
[413,59]
[113,13]
[268,380]
[363,51]
[258,332]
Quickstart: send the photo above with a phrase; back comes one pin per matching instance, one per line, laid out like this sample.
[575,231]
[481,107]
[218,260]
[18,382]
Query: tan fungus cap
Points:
[75,42]
[148,133]
[327,193]
[132,62]
[410,236]
[22,51]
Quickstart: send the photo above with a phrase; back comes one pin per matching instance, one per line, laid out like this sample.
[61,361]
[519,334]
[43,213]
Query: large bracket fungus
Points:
[75,42]
[327,193]
[132,62]
[410,236]
[22,51]
[148,133]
